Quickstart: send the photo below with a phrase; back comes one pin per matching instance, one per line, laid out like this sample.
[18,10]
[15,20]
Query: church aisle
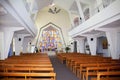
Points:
[62,72]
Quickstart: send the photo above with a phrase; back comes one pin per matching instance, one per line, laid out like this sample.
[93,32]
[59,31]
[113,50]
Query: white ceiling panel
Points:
[8,20]
[43,3]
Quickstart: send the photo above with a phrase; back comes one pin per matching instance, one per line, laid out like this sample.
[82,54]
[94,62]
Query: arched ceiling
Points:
[54,8]
[66,4]
[43,3]
[6,19]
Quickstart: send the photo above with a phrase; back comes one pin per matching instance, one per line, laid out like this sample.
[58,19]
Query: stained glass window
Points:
[50,39]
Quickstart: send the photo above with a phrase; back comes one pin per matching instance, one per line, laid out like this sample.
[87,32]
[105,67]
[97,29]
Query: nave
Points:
[62,66]
[89,67]
[87,27]
[27,66]
[61,70]
[35,66]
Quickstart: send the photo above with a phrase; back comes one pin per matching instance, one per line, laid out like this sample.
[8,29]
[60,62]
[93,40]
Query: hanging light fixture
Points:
[54,10]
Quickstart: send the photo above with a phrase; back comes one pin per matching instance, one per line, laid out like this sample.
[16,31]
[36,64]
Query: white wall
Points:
[99,4]
[78,46]
[113,43]
[82,45]
[5,41]
[18,44]
[86,43]
[1,45]
[60,19]
[118,44]
[100,48]
[92,7]
[8,36]
[26,42]
[92,41]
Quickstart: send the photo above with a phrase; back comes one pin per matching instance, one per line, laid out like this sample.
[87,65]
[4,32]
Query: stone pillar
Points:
[113,37]
[2,45]
[8,36]
[113,44]
[6,39]
[18,44]
[92,41]
[81,45]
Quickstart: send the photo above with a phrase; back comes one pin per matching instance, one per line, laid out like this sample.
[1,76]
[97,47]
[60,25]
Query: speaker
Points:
[19,39]
[91,39]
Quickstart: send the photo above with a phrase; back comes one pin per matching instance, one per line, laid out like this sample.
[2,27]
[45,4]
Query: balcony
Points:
[102,15]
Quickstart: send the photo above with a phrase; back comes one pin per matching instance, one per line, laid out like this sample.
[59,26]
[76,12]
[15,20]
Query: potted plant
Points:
[67,49]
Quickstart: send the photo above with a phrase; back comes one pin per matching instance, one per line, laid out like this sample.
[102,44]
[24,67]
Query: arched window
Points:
[50,38]
[76,21]
[86,13]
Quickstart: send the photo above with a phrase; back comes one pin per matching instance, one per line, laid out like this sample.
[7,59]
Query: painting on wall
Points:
[105,43]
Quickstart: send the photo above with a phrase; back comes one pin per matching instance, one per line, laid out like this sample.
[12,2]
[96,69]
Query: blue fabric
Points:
[10,51]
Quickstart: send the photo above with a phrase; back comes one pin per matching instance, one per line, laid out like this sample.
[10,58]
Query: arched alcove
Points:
[50,38]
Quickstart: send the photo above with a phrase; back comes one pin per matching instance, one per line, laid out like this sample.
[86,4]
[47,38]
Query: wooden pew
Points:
[26,69]
[107,75]
[83,67]
[62,56]
[77,59]
[76,62]
[26,65]
[32,62]
[40,76]
[33,66]
[92,71]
